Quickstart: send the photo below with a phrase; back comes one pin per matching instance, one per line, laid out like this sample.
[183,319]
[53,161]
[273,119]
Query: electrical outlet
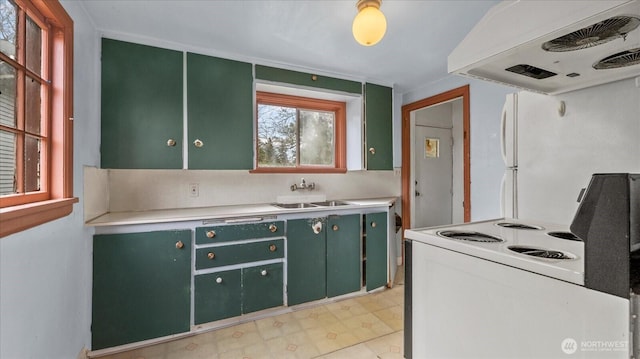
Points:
[397,171]
[194,189]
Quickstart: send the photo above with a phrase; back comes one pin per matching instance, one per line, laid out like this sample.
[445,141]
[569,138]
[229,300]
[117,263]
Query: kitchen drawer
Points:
[217,296]
[237,232]
[239,253]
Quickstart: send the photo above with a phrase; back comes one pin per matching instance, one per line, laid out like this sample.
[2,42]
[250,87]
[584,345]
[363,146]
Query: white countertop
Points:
[215,212]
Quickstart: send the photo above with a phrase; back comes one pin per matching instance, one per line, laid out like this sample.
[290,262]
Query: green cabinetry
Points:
[141,286]
[262,287]
[306,260]
[218,234]
[306,79]
[376,232]
[217,296]
[378,127]
[231,293]
[343,254]
[141,106]
[238,269]
[220,113]
[323,257]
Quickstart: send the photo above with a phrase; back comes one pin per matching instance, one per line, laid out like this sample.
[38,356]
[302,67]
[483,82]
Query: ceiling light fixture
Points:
[370,24]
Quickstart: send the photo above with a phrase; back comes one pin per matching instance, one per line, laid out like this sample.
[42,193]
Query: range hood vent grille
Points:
[621,59]
[594,35]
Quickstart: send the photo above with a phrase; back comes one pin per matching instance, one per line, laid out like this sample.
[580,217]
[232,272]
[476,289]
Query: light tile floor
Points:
[368,326]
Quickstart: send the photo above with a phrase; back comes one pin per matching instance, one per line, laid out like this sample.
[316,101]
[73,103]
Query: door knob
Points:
[272,248]
[179,245]
[211,234]
[219,280]
[273,228]
[171,142]
[263,273]
[211,255]
[198,143]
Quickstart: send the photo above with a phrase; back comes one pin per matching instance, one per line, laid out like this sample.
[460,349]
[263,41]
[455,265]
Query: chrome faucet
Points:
[303,185]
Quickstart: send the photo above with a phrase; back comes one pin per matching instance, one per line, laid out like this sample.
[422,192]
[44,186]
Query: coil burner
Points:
[470,236]
[541,252]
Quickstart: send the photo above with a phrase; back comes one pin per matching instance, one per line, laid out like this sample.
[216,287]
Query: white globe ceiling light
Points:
[370,24]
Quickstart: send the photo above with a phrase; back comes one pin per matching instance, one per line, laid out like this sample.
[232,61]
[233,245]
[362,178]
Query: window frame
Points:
[307,103]
[25,210]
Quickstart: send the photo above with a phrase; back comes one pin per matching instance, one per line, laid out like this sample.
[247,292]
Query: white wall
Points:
[45,272]
[486,100]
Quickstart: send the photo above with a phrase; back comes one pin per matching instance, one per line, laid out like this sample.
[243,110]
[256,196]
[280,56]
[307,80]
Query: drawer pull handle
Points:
[272,248]
[211,255]
[372,150]
[179,245]
[273,228]
[171,142]
[211,234]
[374,224]
[219,280]
[263,273]
[335,227]
[198,143]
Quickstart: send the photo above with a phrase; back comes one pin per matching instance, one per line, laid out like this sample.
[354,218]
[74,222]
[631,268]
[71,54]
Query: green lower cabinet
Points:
[231,293]
[262,287]
[343,254]
[217,296]
[375,227]
[306,260]
[141,286]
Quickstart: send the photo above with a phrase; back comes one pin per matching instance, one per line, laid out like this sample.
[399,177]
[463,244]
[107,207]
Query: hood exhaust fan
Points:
[594,35]
[621,59]
[552,47]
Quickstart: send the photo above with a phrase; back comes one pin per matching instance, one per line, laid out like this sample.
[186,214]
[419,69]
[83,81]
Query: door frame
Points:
[460,92]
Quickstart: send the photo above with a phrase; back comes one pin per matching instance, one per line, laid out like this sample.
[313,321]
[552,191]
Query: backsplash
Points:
[140,190]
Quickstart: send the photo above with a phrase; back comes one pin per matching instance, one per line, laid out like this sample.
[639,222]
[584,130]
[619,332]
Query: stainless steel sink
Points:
[294,205]
[330,203]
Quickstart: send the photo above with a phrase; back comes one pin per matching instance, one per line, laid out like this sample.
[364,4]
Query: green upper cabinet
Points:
[219,113]
[142,109]
[378,127]
[305,79]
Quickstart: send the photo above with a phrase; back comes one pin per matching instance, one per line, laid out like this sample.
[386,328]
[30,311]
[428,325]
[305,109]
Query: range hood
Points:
[552,47]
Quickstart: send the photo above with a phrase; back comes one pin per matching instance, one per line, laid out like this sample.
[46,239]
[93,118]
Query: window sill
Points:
[18,218]
[298,170]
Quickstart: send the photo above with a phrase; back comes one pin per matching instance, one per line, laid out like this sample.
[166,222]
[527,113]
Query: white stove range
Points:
[544,248]
[494,289]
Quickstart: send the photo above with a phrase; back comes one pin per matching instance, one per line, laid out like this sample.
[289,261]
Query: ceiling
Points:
[303,35]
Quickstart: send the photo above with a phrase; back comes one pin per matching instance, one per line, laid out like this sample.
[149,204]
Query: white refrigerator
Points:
[553,144]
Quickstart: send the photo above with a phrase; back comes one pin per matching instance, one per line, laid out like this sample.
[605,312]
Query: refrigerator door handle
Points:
[503,132]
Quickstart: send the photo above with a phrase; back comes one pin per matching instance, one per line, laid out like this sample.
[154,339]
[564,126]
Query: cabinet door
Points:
[343,254]
[141,106]
[376,250]
[305,79]
[220,113]
[217,296]
[141,286]
[378,126]
[262,287]
[306,260]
